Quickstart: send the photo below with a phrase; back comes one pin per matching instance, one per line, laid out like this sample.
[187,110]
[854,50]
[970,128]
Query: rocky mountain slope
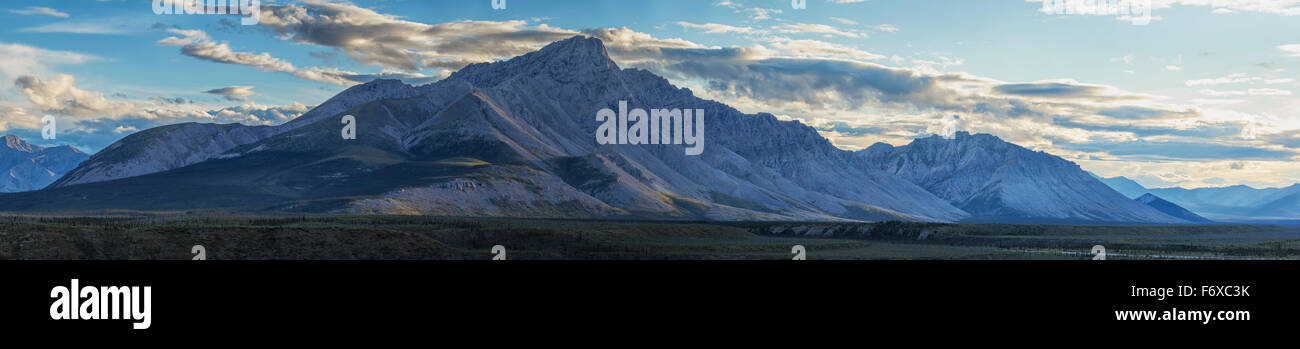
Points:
[994,180]
[1171,209]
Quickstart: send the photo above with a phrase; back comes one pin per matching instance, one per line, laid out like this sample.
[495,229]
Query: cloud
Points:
[1230,79]
[387,41]
[1055,89]
[1249,92]
[844,21]
[714,28]
[814,48]
[805,28]
[1176,150]
[1268,92]
[17,118]
[1278,7]
[97,26]
[197,44]
[1292,50]
[60,94]
[233,93]
[18,59]
[42,11]
[758,13]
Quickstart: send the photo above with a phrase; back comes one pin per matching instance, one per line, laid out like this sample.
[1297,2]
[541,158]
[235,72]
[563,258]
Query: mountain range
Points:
[28,167]
[994,180]
[1171,209]
[1238,202]
[516,138]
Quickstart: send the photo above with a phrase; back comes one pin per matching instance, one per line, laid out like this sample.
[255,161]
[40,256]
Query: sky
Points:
[1191,93]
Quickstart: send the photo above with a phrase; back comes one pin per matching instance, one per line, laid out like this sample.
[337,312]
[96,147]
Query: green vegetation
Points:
[136,235]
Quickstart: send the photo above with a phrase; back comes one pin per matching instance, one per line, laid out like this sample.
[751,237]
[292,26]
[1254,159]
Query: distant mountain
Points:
[1237,202]
[1171,209]
[509,138]
[28,167]
[1128,187]
[1284,207]
[998,181]
[162,148]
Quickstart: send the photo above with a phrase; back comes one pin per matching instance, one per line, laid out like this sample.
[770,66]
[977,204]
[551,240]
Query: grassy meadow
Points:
[134,236]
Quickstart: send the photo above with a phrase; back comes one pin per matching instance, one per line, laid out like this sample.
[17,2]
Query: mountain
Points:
[1284,207]
[1128,187]
[1171,209]
[1237,202]
[509,138]
[27,167]
[160,149]
[998,181]
[174,146]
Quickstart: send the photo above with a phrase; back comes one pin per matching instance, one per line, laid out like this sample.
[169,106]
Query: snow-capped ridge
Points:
[25,166]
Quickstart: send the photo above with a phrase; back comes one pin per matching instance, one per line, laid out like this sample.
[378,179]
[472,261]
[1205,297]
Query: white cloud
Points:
[197,44]
[60,94]
[1230,79]
[759,14]
[387,41]
[97,26]
[1268,92]
[1292,50]
[821,49]
[1248,92]
[714,28]
[18,59]
[17,118]
[1279,7]
[805,28]
[888,28]
[844,21]
[42,11]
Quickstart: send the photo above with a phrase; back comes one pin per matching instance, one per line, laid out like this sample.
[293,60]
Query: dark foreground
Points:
[422,238]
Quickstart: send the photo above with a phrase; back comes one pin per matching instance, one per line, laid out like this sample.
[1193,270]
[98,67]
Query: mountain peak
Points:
[579,58]
[961,137]
[577,45]
[15,143]
[1172,209]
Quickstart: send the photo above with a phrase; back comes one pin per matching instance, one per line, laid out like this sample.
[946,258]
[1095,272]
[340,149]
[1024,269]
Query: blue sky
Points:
[1202,95]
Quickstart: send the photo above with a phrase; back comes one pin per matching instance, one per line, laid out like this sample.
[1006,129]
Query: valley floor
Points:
[149,237]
